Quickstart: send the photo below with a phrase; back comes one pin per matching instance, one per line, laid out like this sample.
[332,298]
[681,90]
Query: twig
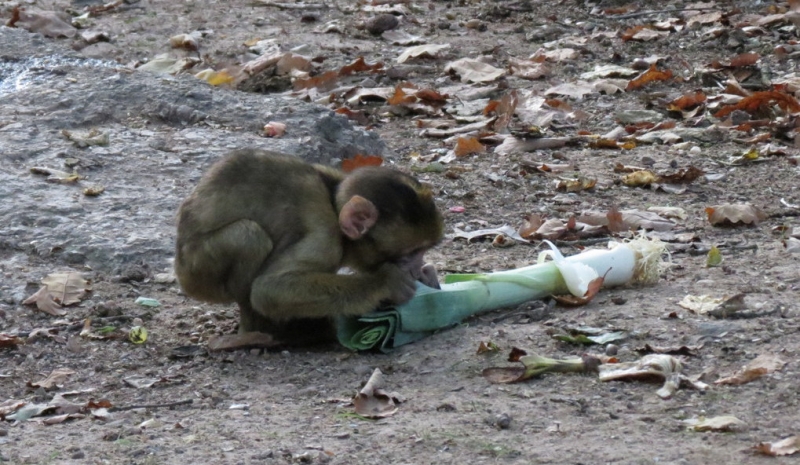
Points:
[77,326]
[167,405]
[655,12]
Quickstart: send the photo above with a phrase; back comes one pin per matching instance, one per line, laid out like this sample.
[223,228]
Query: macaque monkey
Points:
[270,232]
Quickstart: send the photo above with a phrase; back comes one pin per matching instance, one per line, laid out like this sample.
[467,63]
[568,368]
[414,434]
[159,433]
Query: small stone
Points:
[502,421]
[612,349]
[476,24]
[379,24]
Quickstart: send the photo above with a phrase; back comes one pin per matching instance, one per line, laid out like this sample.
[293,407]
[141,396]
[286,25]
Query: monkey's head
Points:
[386,215]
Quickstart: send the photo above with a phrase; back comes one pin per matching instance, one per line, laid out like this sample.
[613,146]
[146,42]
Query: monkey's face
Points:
[396,242]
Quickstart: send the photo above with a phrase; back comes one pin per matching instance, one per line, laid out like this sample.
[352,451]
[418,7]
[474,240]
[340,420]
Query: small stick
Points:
[654,12]
[167,405]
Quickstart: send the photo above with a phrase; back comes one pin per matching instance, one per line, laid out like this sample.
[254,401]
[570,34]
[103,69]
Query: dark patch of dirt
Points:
[252,407]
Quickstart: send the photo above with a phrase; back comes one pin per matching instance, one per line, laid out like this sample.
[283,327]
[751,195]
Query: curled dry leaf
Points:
[576,301]
[762,365]
[372,401]
[653,74]
[45,302]
[467,146]
[734,214]
[788,446]
[472,70]
[54,380]
[215,78]
[721,423]
[185,41]
[761,102]
[359,65]
[7,340]
[427,50]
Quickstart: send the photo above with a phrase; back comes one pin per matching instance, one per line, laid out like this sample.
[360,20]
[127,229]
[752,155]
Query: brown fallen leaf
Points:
[651,75]
[371,401]
[358,161]
[467,146]
[758,367]
[760,102]
[7,340]
[591,291]
[359,65]
[786,446]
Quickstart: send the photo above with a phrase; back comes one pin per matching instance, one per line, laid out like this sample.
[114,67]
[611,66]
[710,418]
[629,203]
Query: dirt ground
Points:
[254,407]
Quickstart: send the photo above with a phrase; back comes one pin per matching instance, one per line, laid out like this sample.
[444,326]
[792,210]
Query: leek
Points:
[465,295]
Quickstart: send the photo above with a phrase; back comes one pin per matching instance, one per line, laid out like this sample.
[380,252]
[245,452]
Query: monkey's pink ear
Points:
[357,216]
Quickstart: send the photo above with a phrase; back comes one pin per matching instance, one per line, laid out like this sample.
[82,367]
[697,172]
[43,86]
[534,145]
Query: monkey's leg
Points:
[295,332]
[220,266]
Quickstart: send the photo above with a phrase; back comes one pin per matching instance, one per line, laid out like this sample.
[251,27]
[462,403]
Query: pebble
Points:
[377,25]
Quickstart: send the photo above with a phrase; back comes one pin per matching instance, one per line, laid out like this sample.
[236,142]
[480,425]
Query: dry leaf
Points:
[762,365]
[527,69]
[721,423]
[56,377]
[786,446]
[427,50]
[372,401]
[760,102]
[732,215]
[45,302]
[591,291]
[358,161]
[7,340]
[215,78]
[575,90]
[184,41]
[687,102]
[651,75]
[359,65]
[66,288]
[467,146]
[472,70]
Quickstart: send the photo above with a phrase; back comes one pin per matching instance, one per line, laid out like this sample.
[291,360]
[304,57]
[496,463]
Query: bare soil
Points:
[254,407]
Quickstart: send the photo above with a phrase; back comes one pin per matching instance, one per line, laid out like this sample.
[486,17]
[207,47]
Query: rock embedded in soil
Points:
[377,25]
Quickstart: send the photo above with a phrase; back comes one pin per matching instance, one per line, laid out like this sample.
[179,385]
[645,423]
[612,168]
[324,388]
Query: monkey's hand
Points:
[429,277]
[399,283]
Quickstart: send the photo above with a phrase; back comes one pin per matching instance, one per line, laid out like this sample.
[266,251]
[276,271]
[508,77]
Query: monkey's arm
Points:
[301,294]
